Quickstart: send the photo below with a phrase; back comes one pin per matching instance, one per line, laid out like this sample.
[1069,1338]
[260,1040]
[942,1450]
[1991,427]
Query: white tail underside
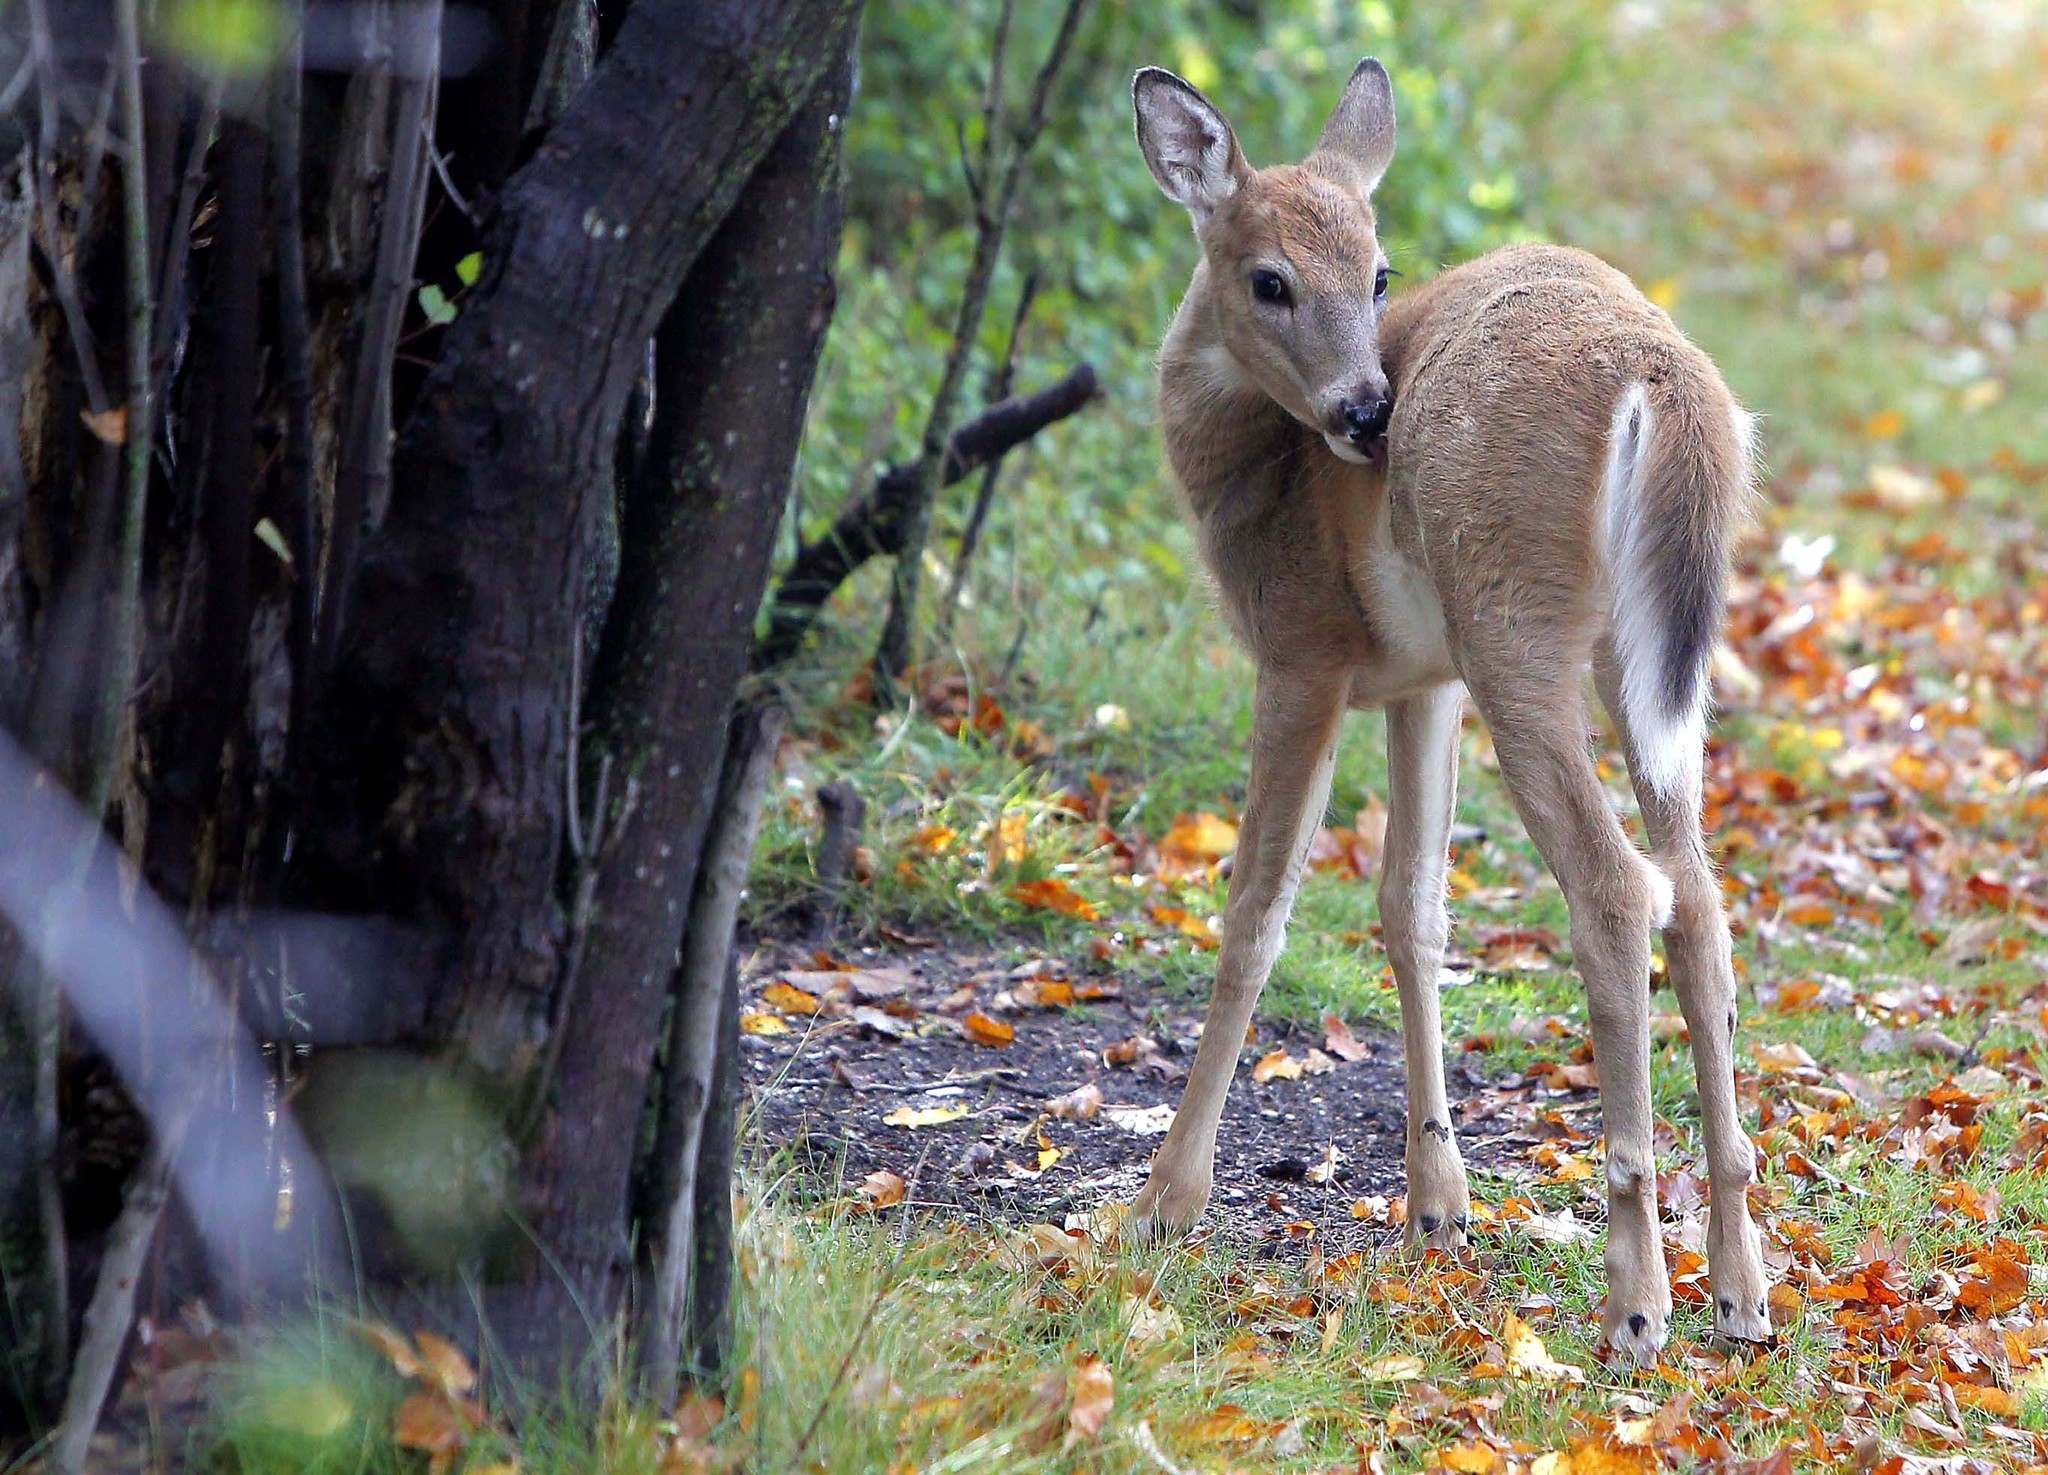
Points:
[1667,744]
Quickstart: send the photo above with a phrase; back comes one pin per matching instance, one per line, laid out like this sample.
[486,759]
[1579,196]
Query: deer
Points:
[1486,485]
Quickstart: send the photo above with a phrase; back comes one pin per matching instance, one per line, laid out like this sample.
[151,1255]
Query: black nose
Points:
[1366,420]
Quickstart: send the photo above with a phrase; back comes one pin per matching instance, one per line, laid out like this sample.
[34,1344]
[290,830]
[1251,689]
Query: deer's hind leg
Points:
[1703,975]
[1532,700]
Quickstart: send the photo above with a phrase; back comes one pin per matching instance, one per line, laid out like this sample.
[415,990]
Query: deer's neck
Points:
[1233,450]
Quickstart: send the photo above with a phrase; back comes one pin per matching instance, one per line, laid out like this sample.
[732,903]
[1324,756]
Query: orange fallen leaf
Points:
[445,1362]
[1055,895]
[984,1030]
[428,1422]
[1277,1065]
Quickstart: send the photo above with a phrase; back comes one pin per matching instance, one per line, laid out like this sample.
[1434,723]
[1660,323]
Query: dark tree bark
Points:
[444,743]
[735,357]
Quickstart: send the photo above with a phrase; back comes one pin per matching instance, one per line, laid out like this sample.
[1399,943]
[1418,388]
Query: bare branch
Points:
[893,654]
[970,536]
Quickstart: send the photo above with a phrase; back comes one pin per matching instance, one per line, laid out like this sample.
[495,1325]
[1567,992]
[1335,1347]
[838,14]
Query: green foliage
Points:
[237,38]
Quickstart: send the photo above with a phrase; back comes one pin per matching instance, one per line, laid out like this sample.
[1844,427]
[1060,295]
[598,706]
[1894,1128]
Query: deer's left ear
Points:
[1188,145]
[1360,134]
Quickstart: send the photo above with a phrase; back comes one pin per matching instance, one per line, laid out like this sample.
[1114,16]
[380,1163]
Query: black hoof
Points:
[1636,1323]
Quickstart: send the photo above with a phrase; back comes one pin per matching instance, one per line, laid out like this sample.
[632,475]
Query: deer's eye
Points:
[1269,286]
[1379,283]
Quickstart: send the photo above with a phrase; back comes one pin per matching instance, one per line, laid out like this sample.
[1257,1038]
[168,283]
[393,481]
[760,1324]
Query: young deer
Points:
[1514,471]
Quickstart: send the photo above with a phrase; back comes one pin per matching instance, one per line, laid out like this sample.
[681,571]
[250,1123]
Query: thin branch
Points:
[894,652]
[874,524]
[75,321]
[970,536]
[295,376]
[362,480]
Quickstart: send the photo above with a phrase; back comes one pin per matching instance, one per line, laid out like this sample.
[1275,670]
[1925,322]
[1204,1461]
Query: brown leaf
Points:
[430,1423]
[110,427]
[1091,1394]
[882,1190]
[1340,1042]
[1078,1105]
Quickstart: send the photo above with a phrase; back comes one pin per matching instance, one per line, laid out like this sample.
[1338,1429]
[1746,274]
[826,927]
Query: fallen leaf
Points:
[1078,1105]
[445,1362]
[1340,1042]
[1276,1065]
[790,999]
[763,1024]
[1055,895]
[1529,1358]
[109,427]
[1091,1394]
[882,1189]
[428,1422]
[984,1030]
[923,1116]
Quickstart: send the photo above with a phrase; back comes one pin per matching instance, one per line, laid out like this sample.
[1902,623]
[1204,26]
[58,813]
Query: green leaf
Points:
[237,37]
[435,304]
[268,535]
[469,268]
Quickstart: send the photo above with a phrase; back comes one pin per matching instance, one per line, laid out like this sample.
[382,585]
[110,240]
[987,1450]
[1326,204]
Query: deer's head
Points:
[1296,275]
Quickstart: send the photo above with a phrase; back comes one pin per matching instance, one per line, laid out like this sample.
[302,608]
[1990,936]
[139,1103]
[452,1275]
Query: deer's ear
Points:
[1187,144]
[1360,134]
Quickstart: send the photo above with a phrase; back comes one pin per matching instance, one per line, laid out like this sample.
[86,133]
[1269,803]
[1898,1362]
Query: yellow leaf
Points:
[1664,292]
[1199,839]
[790,999]
[1884,425]
[924,1116]
[1395,1367]
[763,1024]
[1529,1358]
[1472,1459]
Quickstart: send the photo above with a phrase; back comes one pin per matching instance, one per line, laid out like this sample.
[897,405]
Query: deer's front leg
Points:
[1422,787]
[1294,747]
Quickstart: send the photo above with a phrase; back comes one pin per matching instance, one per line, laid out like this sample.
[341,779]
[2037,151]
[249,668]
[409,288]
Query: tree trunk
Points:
[442,751]
[734,363]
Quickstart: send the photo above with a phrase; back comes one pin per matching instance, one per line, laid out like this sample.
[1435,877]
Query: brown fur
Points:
[1482,556]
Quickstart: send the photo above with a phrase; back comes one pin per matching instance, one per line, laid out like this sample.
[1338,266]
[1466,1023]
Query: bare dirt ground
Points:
[1011,1131]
